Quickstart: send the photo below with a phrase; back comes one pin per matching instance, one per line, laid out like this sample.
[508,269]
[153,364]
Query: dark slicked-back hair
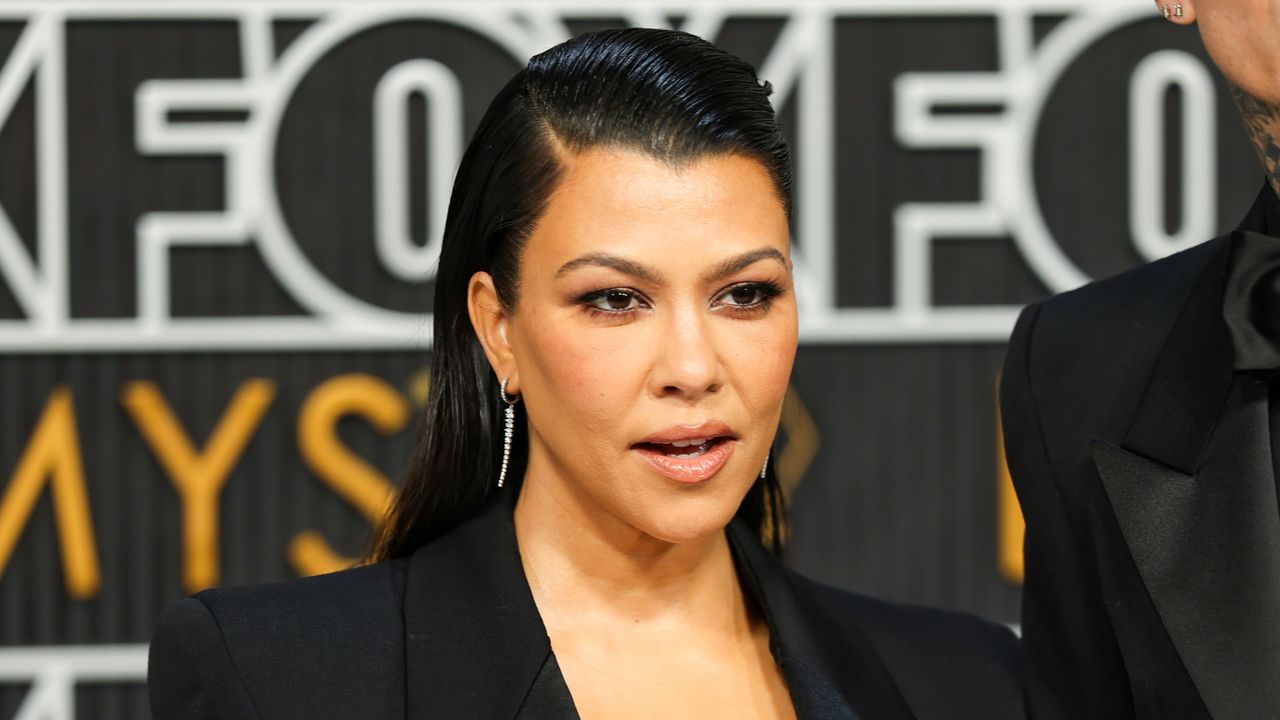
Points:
[667,94]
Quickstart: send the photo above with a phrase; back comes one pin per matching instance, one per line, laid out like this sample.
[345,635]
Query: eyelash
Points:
[767,291]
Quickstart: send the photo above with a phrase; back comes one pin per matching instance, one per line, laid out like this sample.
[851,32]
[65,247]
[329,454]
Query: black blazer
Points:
[453,632]
[1143,465]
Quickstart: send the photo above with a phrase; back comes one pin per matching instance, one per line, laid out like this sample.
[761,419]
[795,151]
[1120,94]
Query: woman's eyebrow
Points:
[736,263]
[622,265]
[642,272]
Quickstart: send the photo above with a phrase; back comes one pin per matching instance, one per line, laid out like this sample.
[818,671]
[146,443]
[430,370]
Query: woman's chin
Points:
[686,525]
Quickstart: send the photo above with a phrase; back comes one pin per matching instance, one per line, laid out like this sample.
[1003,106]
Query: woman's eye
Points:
[743,295]
[615,300]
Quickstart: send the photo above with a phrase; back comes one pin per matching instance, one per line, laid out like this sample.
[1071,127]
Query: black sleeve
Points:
[1074,667]
[190,675]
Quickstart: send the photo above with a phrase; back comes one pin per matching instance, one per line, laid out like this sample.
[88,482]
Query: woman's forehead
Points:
[631,202]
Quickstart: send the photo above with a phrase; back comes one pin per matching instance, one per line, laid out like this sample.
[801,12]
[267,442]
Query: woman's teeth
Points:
[701,445]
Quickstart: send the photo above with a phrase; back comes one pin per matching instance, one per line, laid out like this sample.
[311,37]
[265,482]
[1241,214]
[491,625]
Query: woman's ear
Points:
[491,323]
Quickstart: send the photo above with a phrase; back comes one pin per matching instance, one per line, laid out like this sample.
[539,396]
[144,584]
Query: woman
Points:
[581,533]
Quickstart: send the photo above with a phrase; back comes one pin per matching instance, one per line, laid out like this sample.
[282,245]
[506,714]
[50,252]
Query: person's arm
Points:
[190,675]
[1074,667]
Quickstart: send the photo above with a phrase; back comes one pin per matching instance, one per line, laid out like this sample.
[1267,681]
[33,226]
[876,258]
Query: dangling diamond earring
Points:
[508,430]
[765,466]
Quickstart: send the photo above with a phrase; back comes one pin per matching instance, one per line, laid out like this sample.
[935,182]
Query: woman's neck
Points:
[584,565]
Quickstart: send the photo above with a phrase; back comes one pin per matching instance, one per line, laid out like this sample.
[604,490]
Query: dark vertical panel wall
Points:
[900,500]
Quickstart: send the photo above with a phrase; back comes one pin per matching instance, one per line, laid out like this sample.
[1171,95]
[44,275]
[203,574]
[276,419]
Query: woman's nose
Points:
[687,362]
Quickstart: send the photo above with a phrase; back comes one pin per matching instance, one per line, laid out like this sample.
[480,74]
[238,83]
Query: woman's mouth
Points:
[691,460]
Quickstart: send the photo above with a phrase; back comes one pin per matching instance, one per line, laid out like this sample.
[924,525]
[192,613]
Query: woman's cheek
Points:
[586,369]
[763,359]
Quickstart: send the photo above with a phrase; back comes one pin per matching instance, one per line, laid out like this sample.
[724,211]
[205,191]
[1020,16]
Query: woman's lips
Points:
[706,460]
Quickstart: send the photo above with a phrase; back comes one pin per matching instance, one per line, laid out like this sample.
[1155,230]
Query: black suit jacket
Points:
[453,632]
[1143,465]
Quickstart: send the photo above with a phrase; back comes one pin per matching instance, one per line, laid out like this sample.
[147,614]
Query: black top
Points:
[1142,460]
[453,632]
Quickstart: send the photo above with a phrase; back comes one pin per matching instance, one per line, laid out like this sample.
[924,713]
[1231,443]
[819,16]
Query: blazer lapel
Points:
[476,647]
[1194,493]
[475,643]
[840,680]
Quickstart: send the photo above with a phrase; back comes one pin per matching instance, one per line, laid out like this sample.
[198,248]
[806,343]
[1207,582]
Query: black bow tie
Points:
[1251,305]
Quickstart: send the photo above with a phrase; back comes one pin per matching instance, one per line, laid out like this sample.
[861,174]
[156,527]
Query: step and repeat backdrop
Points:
[219,222]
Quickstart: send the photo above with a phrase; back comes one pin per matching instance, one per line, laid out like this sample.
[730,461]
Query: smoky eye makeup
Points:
[740,299]
[613,303]
[747,298]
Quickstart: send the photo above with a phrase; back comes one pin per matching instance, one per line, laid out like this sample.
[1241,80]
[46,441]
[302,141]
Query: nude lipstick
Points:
[689,454]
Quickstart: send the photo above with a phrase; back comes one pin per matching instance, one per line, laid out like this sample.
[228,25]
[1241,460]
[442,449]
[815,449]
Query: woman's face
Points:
[653,338]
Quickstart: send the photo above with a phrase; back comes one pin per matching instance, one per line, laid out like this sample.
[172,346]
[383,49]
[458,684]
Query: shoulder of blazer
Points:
[1087,355]
[324,646]
[1137,303]
[1136,307]
[946,663]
